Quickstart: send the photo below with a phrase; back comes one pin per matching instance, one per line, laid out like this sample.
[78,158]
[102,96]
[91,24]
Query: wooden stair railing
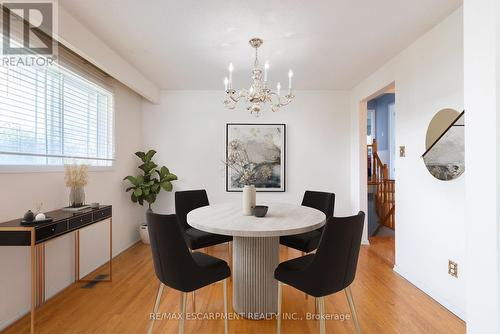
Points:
[384,188]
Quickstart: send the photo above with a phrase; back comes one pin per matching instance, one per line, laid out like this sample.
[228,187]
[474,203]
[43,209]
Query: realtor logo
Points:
[28,27]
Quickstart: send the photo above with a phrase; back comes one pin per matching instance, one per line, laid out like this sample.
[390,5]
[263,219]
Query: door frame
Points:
[392,139]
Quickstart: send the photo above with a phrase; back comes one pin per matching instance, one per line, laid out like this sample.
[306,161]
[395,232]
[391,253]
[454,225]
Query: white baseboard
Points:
[431,293]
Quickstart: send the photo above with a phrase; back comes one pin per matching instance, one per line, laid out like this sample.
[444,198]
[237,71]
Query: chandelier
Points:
[258,94]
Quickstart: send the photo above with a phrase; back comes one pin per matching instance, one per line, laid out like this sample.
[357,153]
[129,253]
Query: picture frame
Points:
[256,154]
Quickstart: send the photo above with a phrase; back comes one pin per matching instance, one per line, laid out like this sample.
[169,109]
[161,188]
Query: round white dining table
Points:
[255,248]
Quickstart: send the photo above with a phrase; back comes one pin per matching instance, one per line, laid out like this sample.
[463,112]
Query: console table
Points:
[14,233]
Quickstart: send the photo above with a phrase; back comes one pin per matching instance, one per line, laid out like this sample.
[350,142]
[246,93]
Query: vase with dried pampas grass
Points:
[76,177]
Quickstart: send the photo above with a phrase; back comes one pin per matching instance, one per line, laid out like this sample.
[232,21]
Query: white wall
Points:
[188,129]
[20,192]
[81,40]
[482,158]
[430,226]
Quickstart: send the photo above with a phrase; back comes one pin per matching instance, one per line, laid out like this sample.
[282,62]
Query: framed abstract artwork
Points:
[255,155]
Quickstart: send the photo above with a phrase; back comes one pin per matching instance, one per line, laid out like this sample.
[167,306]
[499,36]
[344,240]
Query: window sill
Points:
[20,169]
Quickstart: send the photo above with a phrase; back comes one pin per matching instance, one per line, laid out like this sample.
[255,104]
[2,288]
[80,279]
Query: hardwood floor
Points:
[386,303]
[384,248]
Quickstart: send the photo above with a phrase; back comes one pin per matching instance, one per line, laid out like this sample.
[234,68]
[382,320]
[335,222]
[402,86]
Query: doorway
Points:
[381,116]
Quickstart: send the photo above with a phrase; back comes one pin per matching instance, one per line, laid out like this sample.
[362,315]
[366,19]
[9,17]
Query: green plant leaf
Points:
[163,171]
[141,200]
[140,180]
[167,186]
[147,167]
[151,198]
[141,155]
[138,192]
[155,188]
[170,177]
[129,188]
[132,180]
[149,155]
[146,191]
[133,198]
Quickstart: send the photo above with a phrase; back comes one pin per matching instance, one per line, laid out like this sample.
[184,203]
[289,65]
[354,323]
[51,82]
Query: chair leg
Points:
[230,258]
[155,308]
[304,253]
[278,316]
[183,312]
[193,300]
[225,306]
[348,294]
[322,315]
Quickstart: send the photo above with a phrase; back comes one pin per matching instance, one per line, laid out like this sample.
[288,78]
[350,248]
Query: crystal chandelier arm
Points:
[281,101]
[233,97]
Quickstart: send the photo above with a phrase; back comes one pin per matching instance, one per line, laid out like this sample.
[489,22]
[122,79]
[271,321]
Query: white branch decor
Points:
[258,93]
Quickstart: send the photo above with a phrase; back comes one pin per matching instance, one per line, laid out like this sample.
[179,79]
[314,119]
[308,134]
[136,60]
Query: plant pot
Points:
[143,232]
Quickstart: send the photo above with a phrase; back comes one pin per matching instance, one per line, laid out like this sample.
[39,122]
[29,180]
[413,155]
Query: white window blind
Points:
[51,116]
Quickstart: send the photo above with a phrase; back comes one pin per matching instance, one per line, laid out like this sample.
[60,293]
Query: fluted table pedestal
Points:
[255,291]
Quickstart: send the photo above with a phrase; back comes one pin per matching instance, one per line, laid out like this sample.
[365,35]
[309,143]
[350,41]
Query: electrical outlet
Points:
[453,268]
[402,151]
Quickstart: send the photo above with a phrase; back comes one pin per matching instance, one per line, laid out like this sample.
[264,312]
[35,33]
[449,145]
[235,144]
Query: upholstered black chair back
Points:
[334,265]
[322,201]
[173,262]
[186,201]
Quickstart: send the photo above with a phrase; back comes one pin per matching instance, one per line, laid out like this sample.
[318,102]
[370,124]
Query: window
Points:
[54,116]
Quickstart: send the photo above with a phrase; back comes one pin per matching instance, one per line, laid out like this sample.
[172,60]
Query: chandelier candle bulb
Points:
[231,69]
[278,88]
[290,76]
[266,69]
[226,83]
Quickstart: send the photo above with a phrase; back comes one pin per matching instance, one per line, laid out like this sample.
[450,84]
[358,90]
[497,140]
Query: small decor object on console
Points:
[259,92]
[40,216]
[76,178]
[29,216]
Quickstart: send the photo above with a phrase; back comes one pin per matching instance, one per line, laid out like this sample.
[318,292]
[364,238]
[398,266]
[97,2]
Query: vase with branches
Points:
[76,178]
[145,187]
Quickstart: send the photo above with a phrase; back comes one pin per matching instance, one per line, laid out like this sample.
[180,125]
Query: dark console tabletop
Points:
[14,233]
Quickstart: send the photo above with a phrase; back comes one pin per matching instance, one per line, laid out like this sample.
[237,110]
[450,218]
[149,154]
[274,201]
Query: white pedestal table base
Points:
[255,291]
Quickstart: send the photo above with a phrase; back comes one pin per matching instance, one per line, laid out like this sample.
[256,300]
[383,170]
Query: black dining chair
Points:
[331,269]
[309,241]
[178,268]
[186,201]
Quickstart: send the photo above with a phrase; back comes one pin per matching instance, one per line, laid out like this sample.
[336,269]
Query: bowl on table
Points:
[259,210]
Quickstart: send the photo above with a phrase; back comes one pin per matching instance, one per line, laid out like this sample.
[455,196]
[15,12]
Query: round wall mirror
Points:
[445,154]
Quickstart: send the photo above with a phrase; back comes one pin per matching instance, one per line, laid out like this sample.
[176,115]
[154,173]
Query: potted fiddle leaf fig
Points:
[145,187]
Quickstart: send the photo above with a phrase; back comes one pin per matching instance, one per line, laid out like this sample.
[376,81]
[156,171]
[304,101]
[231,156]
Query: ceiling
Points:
[330,44]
